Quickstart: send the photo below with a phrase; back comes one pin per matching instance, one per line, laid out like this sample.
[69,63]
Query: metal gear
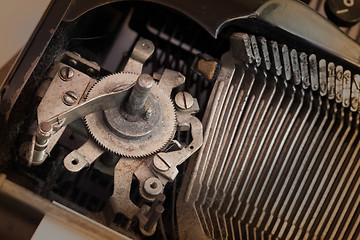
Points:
[130,139]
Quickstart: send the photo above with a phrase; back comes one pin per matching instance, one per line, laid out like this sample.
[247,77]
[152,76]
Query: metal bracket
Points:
[59,108]
[164,164]
[83,157]
[142,51]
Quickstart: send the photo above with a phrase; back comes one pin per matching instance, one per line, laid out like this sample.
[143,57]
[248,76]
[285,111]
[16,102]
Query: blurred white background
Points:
[18,19]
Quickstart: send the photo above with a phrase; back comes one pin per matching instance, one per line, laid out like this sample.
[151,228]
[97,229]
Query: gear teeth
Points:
[89,125]
[101,79]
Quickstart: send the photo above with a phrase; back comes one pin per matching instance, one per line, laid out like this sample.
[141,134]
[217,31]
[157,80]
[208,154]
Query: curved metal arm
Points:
[165,163]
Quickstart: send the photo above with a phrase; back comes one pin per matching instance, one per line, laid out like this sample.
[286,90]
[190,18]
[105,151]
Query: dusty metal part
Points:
[346,89]
[339,84]
[142,51]
[314,76]
[127,114]
[188,224]
[43,133]
[144,172]
[83,65]
[322,78]
[74,93]
[278,161]
[331,80]
[115,133]
[120,201]
[98,103]
[134,127]
[83,156]
[40,143]
[70,98]
[304,67]
[151,180]
[153,186]
[51,103]
[149,216]
[139,95]
[66,73]
[150,188]
[60,120]
[355,93]
[148,114]
[150,225]
[164,164]
[184,100]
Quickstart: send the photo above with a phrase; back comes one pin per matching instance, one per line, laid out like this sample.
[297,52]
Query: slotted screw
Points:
[66,73]
[70,98]
[184,100]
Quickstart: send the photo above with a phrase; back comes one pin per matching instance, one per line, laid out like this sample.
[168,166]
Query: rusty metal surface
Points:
[278,162]
[153,140]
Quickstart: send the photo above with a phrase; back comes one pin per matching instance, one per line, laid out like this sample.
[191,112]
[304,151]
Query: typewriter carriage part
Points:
[134,116]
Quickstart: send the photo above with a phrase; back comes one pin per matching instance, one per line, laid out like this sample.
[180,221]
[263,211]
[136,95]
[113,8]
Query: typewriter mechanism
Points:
[184,120]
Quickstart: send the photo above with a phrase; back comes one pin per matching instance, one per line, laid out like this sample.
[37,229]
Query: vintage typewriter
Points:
[184,120]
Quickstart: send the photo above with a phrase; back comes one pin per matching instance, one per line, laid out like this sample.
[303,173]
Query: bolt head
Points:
[153,186]
[159,164]
[91,71]
[73,62]
[145,46]
[70,98]
[184,100]
[66,73]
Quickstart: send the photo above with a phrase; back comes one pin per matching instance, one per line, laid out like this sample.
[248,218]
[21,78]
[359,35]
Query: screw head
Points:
[153,186]
[145,46]
[73,62]
[66,73]
[184,100]
[70,98]
[159,164]
[90,71]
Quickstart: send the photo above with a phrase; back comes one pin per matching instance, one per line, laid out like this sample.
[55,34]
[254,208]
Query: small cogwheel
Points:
[134,139]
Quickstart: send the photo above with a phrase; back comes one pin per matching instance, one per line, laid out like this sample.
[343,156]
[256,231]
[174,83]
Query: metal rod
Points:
[139,94]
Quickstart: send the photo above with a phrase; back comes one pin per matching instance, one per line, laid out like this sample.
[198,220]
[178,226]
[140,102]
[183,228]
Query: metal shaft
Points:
[139,94]
[152,221]
[159,200]
[43,133]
